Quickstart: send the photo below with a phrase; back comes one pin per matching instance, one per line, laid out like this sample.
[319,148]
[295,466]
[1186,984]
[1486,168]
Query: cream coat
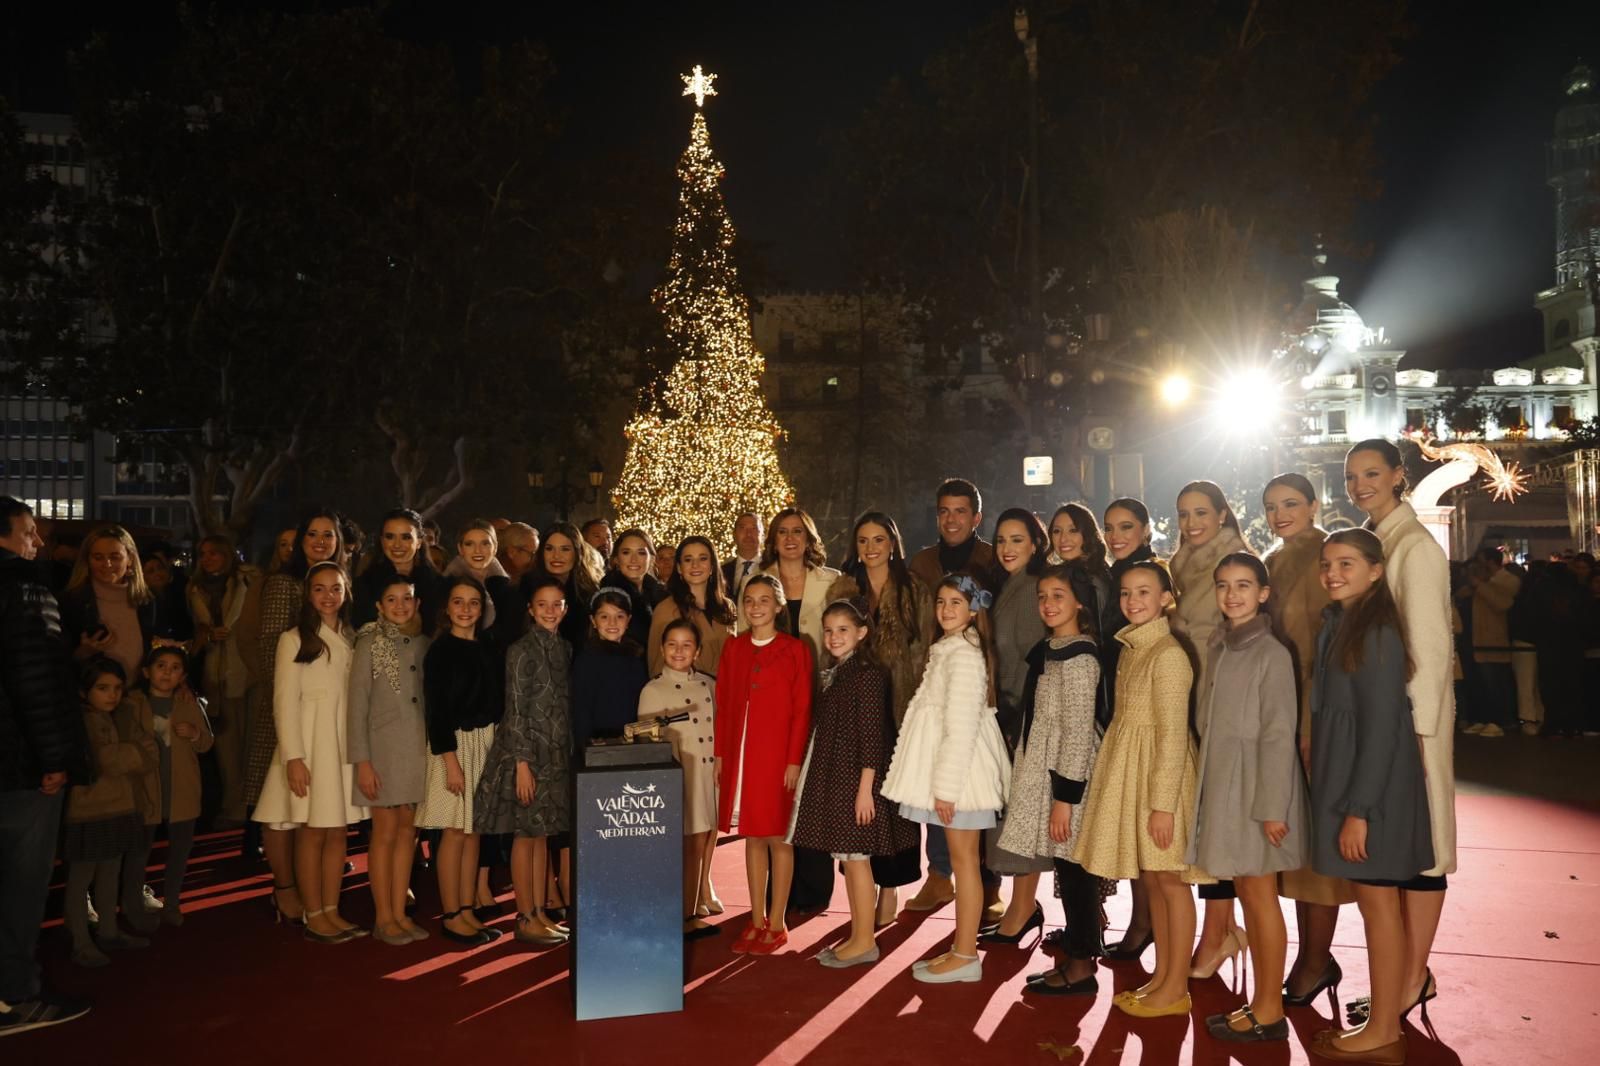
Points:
[815,600]
[309,710]
[1419,577]
[950,746]
[1198,615]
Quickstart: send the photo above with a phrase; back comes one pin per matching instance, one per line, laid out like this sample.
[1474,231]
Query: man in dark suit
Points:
[747,533]
[41,745]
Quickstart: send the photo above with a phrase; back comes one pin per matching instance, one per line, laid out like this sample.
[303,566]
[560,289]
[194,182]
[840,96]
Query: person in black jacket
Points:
[42,748]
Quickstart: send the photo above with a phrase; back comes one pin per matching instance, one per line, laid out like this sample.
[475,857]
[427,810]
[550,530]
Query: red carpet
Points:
[1517,962]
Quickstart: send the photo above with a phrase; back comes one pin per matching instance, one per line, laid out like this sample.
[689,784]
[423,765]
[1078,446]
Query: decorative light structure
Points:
[702,445]
[1462,462]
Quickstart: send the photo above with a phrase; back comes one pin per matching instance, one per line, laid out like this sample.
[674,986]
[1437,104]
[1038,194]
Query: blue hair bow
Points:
[978,597]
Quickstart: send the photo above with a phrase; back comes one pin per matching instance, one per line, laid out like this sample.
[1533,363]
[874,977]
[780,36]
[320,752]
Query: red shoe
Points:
[770,941]
[747,939]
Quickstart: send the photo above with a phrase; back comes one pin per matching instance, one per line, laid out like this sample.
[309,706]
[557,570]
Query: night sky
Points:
[1461,238]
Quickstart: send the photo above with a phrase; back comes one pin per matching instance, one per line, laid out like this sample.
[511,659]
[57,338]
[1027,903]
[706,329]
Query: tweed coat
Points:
[852,730]
[1419,578]
[1365,762]
[1146,762]
[1055,757]
[1249,766]
[387,719]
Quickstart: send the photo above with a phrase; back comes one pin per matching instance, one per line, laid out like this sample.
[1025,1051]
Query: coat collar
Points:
[1142,636]
[1394,521]
[1241,637]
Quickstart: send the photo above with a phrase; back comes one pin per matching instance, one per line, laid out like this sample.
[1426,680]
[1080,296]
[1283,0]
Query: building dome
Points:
[1322,311]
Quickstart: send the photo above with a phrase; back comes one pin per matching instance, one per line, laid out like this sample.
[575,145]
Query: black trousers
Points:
[1080,898]
[813,880]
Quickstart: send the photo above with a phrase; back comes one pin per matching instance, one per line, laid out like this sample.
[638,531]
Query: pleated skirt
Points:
[442,809]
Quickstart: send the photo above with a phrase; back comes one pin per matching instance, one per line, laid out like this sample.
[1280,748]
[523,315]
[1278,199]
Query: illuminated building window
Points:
[830,390]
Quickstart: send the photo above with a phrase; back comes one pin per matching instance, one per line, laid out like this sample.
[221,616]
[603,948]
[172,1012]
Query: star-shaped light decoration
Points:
[698,85]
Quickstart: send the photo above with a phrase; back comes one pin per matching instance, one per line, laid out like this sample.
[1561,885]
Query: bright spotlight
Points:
[1246,400]
[1175,390]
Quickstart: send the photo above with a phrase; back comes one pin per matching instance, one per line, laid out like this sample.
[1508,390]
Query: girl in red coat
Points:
[763,721]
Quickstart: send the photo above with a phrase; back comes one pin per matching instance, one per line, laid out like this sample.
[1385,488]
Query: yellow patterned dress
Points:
[1146,762]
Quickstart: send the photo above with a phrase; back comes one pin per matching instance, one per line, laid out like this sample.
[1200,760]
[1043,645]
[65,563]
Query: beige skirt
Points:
[442,809]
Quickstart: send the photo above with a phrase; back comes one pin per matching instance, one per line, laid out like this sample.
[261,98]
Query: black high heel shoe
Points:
[1329,982]
[994,936]
[279,915]
[1123,953]
[1358,1010]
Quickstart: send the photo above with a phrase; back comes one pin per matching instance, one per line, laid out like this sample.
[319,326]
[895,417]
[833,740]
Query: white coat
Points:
[308,708]
[950,746]
[1418,574]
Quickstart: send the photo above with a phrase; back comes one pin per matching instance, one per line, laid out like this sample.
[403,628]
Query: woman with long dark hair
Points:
[694,592]
[633,557]
[401,552]
[900,631]
[564,554]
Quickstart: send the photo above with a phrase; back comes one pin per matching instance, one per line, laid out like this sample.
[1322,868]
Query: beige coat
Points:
[712,636]
[1198,615]
[308,708]
[184,754]
[1490,602]
[1296,607]
[120,766]
[1419,577]
[228,669]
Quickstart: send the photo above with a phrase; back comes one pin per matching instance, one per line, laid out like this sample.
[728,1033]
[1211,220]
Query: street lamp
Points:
[564,493]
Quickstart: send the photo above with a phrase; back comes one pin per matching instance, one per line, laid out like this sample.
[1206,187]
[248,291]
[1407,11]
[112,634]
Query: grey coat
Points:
[1015,627]
[384,721]
[1365,762]
[1249,764]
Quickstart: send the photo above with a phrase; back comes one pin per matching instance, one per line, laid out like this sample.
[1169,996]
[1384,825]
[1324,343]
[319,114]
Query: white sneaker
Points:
[1491,730]
[152,904]
[1475,727]
[1530,729]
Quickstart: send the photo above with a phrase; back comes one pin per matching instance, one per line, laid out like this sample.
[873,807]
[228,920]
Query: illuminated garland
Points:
[702,446]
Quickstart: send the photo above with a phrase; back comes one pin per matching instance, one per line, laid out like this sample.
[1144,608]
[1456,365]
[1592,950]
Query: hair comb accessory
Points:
[978,597]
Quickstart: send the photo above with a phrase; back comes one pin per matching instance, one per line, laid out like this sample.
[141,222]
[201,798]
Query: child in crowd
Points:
[950,766]
[840,806]
[527,778]
[1141,799]
[464,681]
[166,707]
[764,717]
[681,688]
[1369,801]
[1055,754]
[104,823]
[387,743]
[1250,818]
[609,671]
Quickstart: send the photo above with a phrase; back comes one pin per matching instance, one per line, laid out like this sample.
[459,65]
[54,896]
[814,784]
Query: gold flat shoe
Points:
[1388,1055]
[1137,1009]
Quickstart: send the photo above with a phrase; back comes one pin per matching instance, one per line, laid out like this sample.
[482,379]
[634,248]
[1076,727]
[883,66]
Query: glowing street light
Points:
[1175,389]
[1246,400]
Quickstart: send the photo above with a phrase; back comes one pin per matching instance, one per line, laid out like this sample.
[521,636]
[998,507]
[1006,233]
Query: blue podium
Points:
[627,873]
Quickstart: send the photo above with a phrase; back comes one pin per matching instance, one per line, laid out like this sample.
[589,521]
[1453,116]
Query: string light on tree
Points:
[702,445]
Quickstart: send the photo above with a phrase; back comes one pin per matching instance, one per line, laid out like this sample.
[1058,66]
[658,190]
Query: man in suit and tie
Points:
[747,534]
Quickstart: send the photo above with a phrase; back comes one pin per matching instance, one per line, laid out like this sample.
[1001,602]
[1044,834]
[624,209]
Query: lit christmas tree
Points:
[702,447]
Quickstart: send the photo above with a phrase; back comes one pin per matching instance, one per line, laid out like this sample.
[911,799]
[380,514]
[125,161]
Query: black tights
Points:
[1080,898]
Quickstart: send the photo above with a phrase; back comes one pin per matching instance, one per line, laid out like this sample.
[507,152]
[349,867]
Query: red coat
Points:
[771,687]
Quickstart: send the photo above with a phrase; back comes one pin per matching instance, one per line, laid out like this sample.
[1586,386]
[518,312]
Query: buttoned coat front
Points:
[1419,578]
[763,722]
[693,739]
[387,719]
[1248,771]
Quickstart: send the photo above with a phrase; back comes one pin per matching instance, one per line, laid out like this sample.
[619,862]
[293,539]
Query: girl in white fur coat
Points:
[950,765]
